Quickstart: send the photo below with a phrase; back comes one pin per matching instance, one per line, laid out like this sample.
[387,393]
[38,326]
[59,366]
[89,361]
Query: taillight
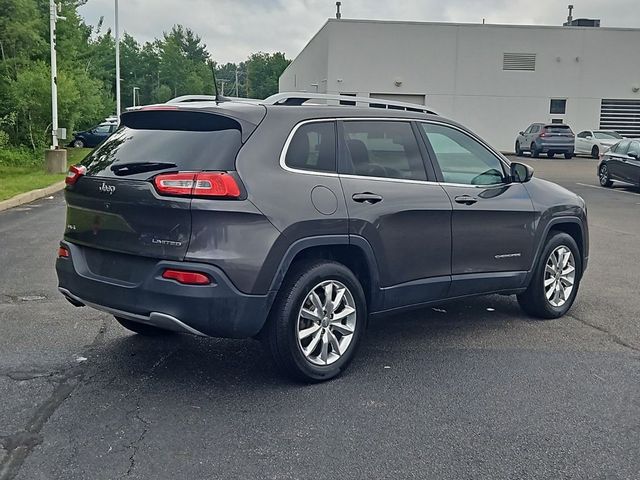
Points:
[186,277]
[74,173]
[203,184]
[543,133]
[63,252]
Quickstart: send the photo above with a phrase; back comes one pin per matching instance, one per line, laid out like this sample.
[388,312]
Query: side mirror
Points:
[633,155]
[588,137]
[520,172]
[521,133]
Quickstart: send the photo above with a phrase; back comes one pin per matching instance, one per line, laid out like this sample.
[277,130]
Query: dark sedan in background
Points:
[93,137]
[621,163]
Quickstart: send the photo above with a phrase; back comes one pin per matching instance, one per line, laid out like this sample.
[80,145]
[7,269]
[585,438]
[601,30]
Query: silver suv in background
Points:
[549,138]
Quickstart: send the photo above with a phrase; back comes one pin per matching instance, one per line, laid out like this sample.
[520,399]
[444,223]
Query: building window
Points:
[346,102]
[557,120]
[558,106]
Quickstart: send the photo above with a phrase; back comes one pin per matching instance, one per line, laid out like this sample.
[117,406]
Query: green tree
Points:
[263,72]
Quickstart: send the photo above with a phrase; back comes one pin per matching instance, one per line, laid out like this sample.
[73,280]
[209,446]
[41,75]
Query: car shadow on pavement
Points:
[190,362]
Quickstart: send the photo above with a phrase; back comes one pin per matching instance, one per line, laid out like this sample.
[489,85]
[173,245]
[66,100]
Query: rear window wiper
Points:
[123,169]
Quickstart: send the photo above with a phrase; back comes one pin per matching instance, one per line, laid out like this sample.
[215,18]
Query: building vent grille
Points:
[519,61]
[622,116]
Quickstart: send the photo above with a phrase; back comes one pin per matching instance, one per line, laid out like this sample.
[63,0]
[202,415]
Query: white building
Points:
[495,79]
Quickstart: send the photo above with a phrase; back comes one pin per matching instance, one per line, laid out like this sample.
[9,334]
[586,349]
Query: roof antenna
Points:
[219,98]
[338,14]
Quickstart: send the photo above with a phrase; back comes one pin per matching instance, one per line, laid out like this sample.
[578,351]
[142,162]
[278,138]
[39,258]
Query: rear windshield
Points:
[558,129]
[166,140]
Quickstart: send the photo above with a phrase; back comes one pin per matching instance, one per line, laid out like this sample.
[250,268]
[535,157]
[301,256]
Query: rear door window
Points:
[383,149]
[313,147]
[167,140]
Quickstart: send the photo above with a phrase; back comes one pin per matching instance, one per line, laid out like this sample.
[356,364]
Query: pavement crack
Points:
[135,446]
[22,376]
[20,445]
[612,336]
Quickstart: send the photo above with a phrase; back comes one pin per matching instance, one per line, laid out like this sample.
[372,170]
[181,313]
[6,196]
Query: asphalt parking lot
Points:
[473,389]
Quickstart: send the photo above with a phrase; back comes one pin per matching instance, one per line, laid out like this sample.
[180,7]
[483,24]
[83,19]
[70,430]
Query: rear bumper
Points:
[217,310]
[556,147]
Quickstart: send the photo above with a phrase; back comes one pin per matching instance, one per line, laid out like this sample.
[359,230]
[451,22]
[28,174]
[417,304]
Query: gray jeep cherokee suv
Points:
[295,223]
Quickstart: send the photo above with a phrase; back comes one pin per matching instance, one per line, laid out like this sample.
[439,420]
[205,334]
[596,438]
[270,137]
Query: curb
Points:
[28,197]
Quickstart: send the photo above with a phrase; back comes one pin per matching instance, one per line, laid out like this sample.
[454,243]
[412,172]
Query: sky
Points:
[233,29]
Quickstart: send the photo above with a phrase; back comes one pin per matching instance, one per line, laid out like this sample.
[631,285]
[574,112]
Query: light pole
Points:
[135,89]
[117,63]
[55,159]
[53,18]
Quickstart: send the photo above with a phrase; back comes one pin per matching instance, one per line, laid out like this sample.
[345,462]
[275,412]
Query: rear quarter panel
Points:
[284,197]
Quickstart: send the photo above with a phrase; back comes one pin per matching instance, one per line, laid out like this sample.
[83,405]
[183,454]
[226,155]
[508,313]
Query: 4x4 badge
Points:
[107,188]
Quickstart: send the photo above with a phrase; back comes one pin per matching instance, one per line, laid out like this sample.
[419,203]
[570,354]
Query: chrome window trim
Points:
[285,148]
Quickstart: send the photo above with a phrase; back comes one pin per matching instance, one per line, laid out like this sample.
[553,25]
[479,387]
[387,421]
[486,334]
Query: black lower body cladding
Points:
[217,309]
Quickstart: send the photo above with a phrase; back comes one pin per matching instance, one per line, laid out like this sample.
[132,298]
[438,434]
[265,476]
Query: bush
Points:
[20,157]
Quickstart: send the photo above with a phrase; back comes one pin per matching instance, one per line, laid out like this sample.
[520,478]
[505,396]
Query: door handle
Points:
[466,199]
[366,197]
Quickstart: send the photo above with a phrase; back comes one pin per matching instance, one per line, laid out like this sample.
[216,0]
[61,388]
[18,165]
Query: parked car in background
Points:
[549,138]
[622,163]
[93,137]
[596,142]
[295,224]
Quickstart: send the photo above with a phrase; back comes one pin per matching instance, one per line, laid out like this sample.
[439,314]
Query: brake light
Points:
[63,252]
[74,173]
[204,184]
[543,133]
[186,277]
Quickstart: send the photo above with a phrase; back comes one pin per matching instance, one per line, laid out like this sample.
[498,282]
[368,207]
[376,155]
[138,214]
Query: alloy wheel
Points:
[604,175]
[326,323]
[559,276]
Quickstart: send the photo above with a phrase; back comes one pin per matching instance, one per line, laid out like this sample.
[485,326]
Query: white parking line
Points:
[607,189]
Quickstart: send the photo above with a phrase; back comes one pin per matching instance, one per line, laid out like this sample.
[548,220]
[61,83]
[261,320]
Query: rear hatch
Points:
[117,203]
[557,133]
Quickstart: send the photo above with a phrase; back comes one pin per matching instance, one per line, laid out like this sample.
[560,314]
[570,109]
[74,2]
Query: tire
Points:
[534,151]
[143,328]
[604,177]
[518,150]
[551,154]
[535,300]
[568,156]
[285,322]
[595,152]
[78,143]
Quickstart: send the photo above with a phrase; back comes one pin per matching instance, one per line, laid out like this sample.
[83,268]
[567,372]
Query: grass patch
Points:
[15,180]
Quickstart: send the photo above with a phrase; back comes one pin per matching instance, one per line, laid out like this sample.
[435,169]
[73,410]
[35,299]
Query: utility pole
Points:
[55,159]
[135,89]
[237,92]
[118,111]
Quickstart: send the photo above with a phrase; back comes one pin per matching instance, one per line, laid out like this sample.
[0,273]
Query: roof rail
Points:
[300,98]
[211,98]
[193,98]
